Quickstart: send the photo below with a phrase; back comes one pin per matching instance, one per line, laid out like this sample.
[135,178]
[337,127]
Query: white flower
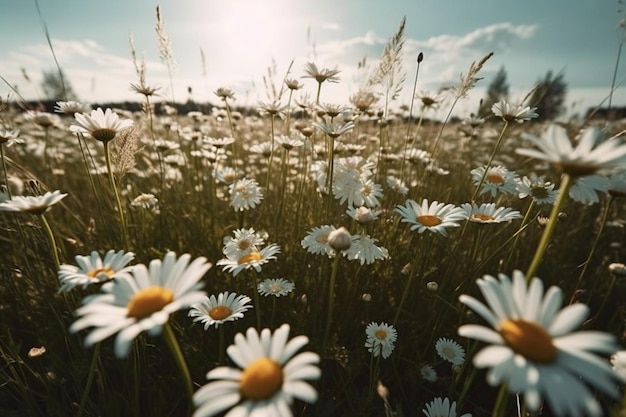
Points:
[316,241]
[237,262]
[618,360]
[243,242]
[435,217]
[541,191]
[364,249]
[586,189]
[93,269]
[497,179]
[397,185]
[512,113]
[442,408]
[584,159]
[147,201]
[269,380]
[450,350]
[9,137]
[32,204]
[428,373]
[215,311]
[102,126]
[142,300]
[277,287]
[488,213]
[533,349]
[363,215]
[381,339]
[245,194]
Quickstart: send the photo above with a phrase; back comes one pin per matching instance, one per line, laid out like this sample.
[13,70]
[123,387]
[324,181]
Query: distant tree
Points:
[549,96]
[497,90]
[56,86]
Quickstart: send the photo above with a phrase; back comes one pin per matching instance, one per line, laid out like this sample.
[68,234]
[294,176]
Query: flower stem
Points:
[92,370]
[605,216]
[107,156]
[53,244]
[493,155]
[331,298]
[257,302]
[499,408]
[566,182]
[177,353]
[4,167]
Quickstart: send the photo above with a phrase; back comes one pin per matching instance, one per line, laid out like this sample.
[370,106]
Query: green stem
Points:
[566,182]
[269,163]
[493,155]
[405,293]
[518,234]
[499,408]
[605,216]
[177,353]
[53,244]
[220,352]
[257,302]
[4,167]
[92,371]
[120,209]
[331,298]
[331,167]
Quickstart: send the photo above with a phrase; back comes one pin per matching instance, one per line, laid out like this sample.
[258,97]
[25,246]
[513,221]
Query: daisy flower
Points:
[488,213]
[100,125]
[364,249]
[428,373]
[397,185]
[381,339]
[236,262]
[268,378]
[534,349]
[363,215]
[9,137]
[243,242]
[93,269]
[497,179]
[245,194]
[513,113]
[442,408]
[32,204]
[277,287]
[316,241]
[71,107]
[435,216]
[334,129]
[618,360]
[541,191]
[147,201]
[142,300]
[587,189]
[215,311]
[588,157]
[321,75]
[450,350]
[288,143]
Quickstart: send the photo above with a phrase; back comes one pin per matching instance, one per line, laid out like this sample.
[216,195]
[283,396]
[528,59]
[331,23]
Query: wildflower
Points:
[418,156]
[618,360]
[450,350]
[142,300]
[397,185]
[9,137]
[380,339]
[363,215]
[316,241]
[288,143]
[365,250]
[488,213]
[270,378]
[429,100]
[442,408]
[38,204]
[93,269]
[271,109]
[511,113]
[322,75]
[225,175]
[293,84]
[224,93]
[533,349]
[215,311]
[497,179]
[340,239]
[70,107]
[102,126]
[586,158]
[245,194]
[43,119]
[218,142]
[586,189]
[435,216]
[334,129]
[236,262]
[350,187]
[363,100]
[243,242]
[144,89]
[147,201]
[432,286]
[541,191]
[164,145]
[618,269]
[36,351]
[278,287]
[428,373]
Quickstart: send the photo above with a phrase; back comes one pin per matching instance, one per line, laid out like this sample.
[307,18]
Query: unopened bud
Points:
[363,215]
[432,286]
[618,269]
[366,297]
[420,57]
[340,239]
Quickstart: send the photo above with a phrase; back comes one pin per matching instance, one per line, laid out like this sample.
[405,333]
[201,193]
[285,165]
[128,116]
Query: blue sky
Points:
[240,39]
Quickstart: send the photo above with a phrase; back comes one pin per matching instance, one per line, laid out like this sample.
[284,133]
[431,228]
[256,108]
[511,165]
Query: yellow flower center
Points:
[529,340]
[322,239]
[448,352]
[380,334]
[148,301]
[495,178]
[104,135]
[261,379]
[483,217]
[95,272]
[252,256]
[220,312]
[428,220]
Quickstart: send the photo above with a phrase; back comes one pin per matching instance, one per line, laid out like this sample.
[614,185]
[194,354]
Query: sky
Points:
[235,43]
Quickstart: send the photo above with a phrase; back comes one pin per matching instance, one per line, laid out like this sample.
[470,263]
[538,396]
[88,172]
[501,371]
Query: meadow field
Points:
[332,260]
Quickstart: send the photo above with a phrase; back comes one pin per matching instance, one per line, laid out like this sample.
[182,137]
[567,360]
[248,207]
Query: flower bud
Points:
[432,286]
[340,239]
